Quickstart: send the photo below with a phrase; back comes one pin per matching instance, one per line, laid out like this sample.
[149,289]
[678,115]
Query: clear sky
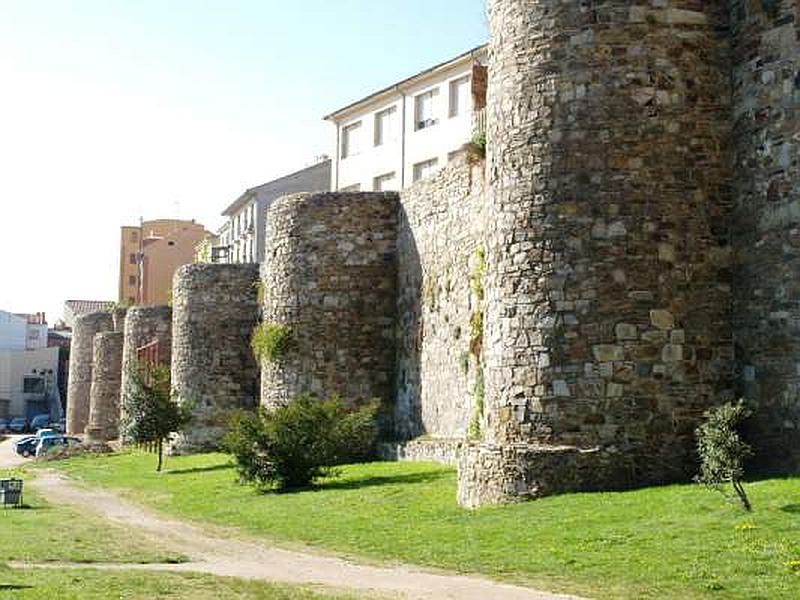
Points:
[111,110]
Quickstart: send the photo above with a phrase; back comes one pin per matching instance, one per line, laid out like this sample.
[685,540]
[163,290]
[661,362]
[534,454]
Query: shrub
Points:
[270,341]
[293,445]
[722,451]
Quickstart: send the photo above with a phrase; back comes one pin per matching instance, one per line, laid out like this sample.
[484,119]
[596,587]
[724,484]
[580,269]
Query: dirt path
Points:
[9,458]
[219,555]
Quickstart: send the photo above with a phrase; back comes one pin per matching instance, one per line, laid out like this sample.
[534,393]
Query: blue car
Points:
[26,446]
[18,425]
[45,444]
[39,422]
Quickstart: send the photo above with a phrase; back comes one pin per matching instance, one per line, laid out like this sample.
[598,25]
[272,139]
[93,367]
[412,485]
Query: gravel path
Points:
[228,555]
[9,458]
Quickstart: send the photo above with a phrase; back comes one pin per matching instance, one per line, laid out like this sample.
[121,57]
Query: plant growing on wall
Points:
[722,450]
[477,275]
[151,413]
[270,341]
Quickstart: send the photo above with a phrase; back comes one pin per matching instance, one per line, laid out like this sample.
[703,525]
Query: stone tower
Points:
[80,368]
[766,222]
[608,296]
[215,309]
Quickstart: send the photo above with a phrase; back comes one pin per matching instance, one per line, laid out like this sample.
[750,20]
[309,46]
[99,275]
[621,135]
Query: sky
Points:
[114,110]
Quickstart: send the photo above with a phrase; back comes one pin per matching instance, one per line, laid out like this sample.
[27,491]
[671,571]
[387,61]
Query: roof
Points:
[84,307]
[282,185]
[409,80]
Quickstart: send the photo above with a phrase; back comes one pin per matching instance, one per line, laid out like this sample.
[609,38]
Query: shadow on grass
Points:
[208,469]
[791,508]
[7,587]
[355,484]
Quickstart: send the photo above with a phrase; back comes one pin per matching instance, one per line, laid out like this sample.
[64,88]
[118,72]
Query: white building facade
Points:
[28,368]
[241,238]
[408,131]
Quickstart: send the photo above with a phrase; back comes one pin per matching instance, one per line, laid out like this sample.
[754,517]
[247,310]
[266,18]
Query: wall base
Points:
[491,474]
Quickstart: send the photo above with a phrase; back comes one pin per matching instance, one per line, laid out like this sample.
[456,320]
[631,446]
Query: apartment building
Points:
[149,256]
[241,238]
[409,130]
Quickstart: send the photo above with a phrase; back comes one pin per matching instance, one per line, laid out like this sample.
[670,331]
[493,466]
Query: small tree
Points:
[722,451]
[151,414]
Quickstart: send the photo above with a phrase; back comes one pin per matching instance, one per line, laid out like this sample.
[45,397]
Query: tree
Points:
[722,450]
[151,413]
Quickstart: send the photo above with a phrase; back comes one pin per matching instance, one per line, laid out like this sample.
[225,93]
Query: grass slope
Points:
[666,542]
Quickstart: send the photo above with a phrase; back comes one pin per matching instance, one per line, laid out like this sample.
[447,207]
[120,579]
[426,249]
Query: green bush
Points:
[722,450]
[293,445]
[270,341]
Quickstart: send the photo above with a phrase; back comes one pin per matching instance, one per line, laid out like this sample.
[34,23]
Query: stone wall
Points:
[145,325]
[439,245]
[608,289]
[104,411]
[215,309]
[80,368]
[330,277]
[766,222]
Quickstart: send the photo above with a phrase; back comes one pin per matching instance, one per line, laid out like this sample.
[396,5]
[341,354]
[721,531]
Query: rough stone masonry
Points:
[80,368]
[215,309]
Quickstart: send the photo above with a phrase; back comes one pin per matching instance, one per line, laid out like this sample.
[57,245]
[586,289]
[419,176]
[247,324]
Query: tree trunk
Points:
[737,485]
[160,450]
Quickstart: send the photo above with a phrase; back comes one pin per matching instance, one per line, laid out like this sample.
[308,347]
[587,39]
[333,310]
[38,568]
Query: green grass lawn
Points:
[43,532]
[667,542]
[85,584]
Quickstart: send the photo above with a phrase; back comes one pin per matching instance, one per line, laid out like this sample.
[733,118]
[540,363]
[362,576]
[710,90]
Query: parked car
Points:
[26,446]
[42,433]
[3,425]
[61,426]
[38,422]
[18,425]
[46,444]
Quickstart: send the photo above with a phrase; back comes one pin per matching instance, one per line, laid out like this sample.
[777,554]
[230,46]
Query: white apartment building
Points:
[28,368]
[409,130]
[241,238]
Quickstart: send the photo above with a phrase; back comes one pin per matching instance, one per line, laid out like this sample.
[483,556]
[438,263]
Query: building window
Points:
[131,300]
[134,236]
[131,280]
[32,385]
[459,96]
[425,168]
[384,182]
[351,140]
[132,259]
[384,125]
[356,187]
[424,114]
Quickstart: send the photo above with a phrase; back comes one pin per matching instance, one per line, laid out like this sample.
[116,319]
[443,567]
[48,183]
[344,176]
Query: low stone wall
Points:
[500,474]
[80,368]
[439,245]
[215,309]
[144,325]
[444,451]
[104,411]
[330,278]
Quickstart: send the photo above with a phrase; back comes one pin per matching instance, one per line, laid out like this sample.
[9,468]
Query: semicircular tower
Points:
[607,323]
